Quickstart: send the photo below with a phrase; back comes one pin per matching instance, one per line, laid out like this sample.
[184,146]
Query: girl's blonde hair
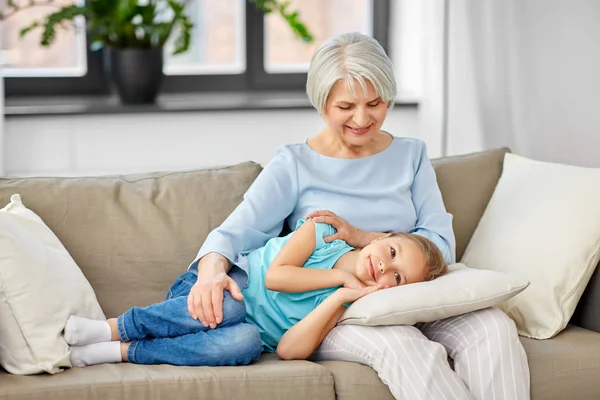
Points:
[350,57]
[435,265]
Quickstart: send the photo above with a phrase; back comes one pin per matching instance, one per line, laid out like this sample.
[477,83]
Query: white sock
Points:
[81,331]
[97,353]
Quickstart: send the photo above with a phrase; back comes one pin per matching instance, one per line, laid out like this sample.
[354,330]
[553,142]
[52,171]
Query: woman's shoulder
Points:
[293,150]
[285,157]
[408,144]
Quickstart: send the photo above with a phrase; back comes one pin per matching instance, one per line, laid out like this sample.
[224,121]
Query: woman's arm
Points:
[285,274]
[259,217]
[433,221]
[301,340]
[261,214]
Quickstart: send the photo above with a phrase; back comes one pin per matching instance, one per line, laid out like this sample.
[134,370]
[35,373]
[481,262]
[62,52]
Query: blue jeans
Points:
[166,333]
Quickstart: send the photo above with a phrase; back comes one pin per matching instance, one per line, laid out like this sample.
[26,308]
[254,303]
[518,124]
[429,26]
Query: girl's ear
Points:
[387,235]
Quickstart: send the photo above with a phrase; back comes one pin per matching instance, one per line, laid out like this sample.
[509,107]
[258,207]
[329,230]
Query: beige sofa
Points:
[132,235]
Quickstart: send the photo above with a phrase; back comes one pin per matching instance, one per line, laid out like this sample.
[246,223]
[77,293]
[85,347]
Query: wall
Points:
[127,143]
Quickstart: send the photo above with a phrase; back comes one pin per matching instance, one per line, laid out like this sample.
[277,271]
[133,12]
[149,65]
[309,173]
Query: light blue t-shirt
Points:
[276,312]
[394,190]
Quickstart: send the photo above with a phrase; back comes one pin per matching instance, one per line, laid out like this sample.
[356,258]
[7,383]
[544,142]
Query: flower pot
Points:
[137,73]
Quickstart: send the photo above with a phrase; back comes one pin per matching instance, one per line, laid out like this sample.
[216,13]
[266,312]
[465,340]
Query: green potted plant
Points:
[133,34]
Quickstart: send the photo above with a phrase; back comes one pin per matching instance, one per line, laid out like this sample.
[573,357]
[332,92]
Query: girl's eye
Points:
[397,276]
[393,252]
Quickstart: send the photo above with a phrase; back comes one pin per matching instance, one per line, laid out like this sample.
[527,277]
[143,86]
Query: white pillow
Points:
[460,291]
[40,286]
[542,224]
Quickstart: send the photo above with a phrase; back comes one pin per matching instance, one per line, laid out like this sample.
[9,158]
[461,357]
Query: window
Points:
[66,67]
[218,44]
[234,47]
[25,57]
[284,53]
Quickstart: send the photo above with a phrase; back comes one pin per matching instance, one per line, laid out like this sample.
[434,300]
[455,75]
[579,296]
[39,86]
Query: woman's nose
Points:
[381,267]
[361,118]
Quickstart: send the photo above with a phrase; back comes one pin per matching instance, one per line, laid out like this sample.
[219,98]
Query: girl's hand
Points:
[346,232]
[352,282]
[348,295]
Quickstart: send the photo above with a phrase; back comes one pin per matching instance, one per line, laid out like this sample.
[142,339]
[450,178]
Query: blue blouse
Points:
[394,190]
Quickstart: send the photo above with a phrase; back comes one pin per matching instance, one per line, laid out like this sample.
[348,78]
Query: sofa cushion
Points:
[133,235]
[40,287]
[541,225]
[269,378]
[355,381]
[460,291]
[467,183]
[566,366]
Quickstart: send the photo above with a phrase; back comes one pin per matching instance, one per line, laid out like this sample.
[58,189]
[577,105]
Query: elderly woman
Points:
[372,182]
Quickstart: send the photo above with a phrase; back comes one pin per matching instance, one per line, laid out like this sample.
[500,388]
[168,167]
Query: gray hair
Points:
[350,57]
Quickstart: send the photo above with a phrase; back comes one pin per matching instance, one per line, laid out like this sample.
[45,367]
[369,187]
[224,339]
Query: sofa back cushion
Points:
[467,183]
[133,235]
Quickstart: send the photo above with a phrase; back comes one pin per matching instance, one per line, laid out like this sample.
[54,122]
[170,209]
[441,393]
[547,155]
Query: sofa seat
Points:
[571,359]
[269,378]
[559,365]
[356,381]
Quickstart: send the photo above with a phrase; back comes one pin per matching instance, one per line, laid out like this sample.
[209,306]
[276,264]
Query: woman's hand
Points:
[349,295]
[205,301]
[346,232]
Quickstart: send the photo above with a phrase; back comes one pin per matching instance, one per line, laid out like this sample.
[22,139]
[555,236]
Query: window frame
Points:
[94,82]
[255,78]
[261,80]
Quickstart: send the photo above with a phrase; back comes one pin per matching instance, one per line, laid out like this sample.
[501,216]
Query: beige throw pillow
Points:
[40,286]
[542,224]
[460,291]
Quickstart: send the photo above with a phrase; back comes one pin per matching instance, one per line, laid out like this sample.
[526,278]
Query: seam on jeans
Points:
[121,329]
[131,351]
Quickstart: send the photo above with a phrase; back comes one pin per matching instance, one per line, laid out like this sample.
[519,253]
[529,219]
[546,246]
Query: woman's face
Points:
[356,120]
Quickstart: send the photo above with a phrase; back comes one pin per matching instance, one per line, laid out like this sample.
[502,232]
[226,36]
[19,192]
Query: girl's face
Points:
[391,261]
[356,120]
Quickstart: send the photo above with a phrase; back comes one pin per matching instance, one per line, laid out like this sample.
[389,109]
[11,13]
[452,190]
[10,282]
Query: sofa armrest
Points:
[587,313]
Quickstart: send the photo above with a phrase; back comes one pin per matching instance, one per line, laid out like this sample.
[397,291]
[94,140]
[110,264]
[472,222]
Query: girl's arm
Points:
[301,340]
[285,274]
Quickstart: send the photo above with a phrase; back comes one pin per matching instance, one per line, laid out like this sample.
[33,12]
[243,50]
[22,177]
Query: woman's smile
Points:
[360,131]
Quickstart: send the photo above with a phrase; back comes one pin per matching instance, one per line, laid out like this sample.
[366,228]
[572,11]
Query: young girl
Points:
[297,289]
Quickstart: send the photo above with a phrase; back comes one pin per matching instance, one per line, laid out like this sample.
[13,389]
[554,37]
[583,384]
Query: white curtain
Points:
[1,117]
[523,74]
[431,104]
